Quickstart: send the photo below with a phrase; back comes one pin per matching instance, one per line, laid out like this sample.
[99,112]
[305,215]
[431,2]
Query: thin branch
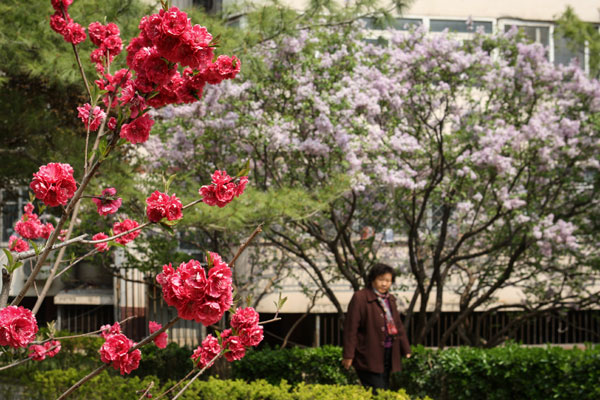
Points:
[83,380]
[65,269]
[243,247]
[198,374]
[147,390]
[175,385]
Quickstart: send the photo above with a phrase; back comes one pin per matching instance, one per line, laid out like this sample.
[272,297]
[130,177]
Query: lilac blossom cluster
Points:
[489,127]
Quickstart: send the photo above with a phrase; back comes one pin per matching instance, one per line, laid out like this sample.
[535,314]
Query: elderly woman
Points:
[374,337]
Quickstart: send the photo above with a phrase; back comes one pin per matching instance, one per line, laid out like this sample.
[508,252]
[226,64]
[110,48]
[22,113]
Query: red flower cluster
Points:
[161,340]
[100,246]
[195,295]
[137,131]
[160,206]
[207,351]
[17,326]
[245,323]
[115,350]
[54,184]
[245,333]
[62,23]
[223,189]
[107,203]
[30,226]
[166,40]
[91,122]
[40,352]
[16,244]
[108,40]
[120,227]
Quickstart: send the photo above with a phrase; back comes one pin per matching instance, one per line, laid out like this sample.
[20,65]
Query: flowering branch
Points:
[80,335]
[24,360]
[147,390]
[92,374]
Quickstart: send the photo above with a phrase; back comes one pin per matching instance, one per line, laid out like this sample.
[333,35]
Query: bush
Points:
[508,372]
[295,365]
[108,386]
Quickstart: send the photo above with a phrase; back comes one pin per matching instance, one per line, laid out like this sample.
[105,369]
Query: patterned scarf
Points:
[389,319]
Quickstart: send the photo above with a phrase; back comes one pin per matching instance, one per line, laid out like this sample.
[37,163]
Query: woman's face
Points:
[382,283]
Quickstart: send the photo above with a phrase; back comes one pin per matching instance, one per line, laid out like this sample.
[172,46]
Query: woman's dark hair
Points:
[378,270]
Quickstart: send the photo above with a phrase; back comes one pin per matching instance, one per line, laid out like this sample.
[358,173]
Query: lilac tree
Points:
[481,154]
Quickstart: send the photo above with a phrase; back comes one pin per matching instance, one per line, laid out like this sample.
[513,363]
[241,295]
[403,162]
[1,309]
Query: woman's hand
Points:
[407,356]
[347,363]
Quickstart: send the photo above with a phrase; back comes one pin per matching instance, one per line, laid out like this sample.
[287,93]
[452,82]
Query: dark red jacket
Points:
[364,333]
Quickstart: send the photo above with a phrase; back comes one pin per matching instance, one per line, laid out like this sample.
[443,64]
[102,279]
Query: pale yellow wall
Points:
[539,10]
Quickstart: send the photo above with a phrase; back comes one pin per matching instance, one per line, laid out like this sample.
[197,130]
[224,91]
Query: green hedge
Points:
[295,365]
[508,372]
[108,386]
[464,373]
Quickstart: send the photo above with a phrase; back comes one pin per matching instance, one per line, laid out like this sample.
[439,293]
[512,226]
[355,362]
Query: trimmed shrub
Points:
[508,372]
[295,365]
[107,386]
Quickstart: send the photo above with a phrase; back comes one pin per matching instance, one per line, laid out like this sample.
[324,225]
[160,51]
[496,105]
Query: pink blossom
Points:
[61,5]
[47,230]
[251,336]
[74,33]
[112,123]
[16,244]
[235,348]
[37,352]
[207,351]
[54,184]
[92,122]
[52,348]
[161,340]
[115,351]
[108,330]
[223,189]
[57,22]
[17,326]
[62,235]
[126,225]
[138,130]
[196,296]
[244,318]
[100,246]
[107,203]
[160,206]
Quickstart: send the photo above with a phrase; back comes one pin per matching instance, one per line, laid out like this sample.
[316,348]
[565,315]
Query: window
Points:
[461,26]
[11,208]
[405,24]
[535,33]
[565,53]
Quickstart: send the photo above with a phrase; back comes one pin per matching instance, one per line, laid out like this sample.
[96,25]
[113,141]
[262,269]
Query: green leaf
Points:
[167,227]
[35,247]
[8,256]
[168,182]
[13,267]
[244,171]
